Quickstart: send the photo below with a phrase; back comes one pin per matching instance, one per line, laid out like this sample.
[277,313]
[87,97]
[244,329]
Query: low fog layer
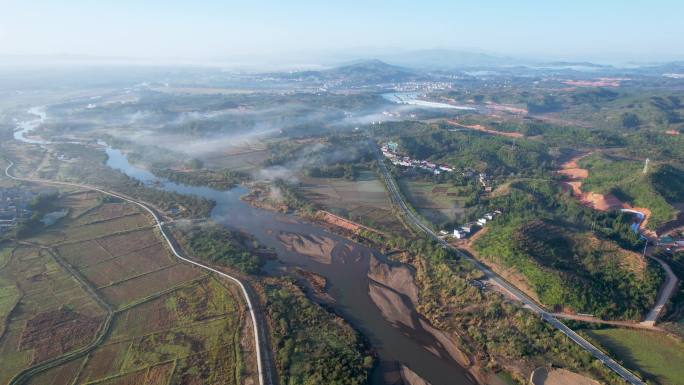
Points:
[202,125]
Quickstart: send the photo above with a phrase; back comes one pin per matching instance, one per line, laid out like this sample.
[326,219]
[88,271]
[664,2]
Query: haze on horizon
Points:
[213,30]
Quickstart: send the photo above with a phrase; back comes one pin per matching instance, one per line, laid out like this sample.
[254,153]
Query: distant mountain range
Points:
[372,71]
[359,72]
[376,66]
[441,59]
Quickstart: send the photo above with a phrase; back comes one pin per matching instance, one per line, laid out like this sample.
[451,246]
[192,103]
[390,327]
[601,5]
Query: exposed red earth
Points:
[597,201]
[479,127]
[600,82]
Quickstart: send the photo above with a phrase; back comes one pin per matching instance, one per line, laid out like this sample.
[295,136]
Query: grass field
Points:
[364,200]
[655,355]
[171,323]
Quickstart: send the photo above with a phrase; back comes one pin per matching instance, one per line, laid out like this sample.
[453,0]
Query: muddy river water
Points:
[381,308]
[374,295]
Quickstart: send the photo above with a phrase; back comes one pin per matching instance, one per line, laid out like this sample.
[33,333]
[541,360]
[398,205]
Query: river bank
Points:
[344,264]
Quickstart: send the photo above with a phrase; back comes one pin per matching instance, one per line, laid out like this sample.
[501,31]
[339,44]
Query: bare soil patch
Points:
[399,278]
[317,247]
[409,377]
[481,128]
[391,305]
[544,376]
[597,201]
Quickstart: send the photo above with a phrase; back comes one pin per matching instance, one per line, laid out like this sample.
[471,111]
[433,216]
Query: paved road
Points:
[625,324]
[397,199]
[666,293]
[260,339]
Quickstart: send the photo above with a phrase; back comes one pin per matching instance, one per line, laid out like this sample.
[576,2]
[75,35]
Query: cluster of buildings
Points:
[396,114]
[14,205]
[485,182]
[389,150]
[673,242]
[425,86]
[468,229]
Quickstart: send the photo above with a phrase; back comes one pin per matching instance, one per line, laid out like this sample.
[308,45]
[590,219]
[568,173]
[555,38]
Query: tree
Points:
[630,120]
[195,164]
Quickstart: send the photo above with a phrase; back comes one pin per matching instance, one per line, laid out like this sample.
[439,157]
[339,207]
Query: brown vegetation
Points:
[53,333]
[171,322]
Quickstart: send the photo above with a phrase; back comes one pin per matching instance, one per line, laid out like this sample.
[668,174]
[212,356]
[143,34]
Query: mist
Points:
[270,33]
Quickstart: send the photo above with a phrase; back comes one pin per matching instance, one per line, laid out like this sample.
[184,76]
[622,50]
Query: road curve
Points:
[396,198]
[666,292]
[258,336]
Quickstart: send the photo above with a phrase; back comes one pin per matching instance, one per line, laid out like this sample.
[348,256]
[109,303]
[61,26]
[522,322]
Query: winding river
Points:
[380,308]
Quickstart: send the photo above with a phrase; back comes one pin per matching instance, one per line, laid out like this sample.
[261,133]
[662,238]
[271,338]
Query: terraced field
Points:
[100,288]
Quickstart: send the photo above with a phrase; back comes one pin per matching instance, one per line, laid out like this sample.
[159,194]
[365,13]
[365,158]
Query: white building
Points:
[458,234]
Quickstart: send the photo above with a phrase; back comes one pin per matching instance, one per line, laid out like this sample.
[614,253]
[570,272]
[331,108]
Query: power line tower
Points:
[646,165]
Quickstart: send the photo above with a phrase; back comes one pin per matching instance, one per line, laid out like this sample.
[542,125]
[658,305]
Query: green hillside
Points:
[656,190]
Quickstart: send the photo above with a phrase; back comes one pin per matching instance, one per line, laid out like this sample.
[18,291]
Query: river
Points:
[411,98]
[24,127]
[382,311]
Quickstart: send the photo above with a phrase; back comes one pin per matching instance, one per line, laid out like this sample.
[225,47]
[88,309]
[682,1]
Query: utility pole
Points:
[646,165]
[643,256]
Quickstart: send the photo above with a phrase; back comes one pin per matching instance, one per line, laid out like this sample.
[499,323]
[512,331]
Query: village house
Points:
[468,228]
[459,234]
[14,205]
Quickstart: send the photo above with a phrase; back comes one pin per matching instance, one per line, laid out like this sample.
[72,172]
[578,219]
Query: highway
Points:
[397,199]
[261,344]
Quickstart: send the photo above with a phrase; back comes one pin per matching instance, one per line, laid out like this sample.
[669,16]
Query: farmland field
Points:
[364,200]
[170,323]
[438,203]
[44,294]
[656,355]
[239,158]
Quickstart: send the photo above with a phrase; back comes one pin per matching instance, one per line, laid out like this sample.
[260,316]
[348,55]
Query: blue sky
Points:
[221,29]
